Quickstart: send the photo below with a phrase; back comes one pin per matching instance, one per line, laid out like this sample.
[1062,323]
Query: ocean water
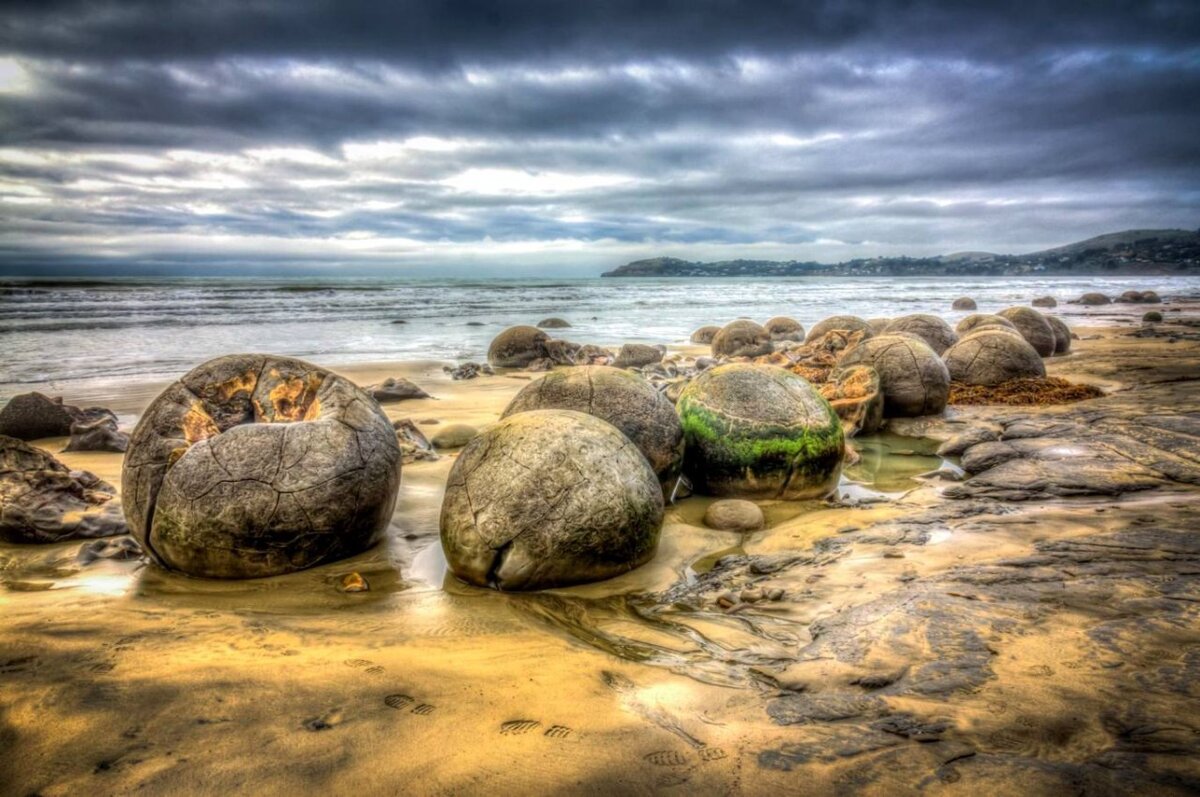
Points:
[64,332]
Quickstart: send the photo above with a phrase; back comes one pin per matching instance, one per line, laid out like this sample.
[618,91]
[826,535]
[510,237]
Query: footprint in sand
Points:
[557,732]
[666,758]
[407,703]
[518,727]
[358,663]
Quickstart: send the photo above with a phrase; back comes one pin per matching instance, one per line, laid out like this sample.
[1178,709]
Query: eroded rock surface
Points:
[252,465]
[42,501]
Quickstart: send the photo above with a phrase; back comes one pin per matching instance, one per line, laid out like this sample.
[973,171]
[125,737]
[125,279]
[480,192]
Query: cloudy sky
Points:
[568,137]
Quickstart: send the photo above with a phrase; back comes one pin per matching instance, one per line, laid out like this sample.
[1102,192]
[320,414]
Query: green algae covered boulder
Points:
[759,431]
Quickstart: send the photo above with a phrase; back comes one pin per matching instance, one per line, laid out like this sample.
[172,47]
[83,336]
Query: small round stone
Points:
[734,514]
[553,323]
[1152,317]
[455,435]
[963,303]
[549,498]
[1045,301]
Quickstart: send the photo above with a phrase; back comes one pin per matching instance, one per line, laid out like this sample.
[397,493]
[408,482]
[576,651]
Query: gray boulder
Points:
[253,465]
[784,328]
[989,357]
[33,416]
[705,335]
[1094,299]
[624,399]
[931,329]
[553,323]
[517,347]
[963,303]
[974,322]
[741,338]
[43,501]
[1062,334]
[1045,301]
[549,498]
[914,379]
[396,389]
[638,355]
[1034,327]
[100,434]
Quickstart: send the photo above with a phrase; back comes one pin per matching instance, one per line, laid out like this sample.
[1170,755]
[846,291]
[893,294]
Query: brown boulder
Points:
[848,323]
[517,347]
[989,357]
[741,338]
[784,328]
[1034,327]
[931,329]
[914,379]
[963,303]
[705,335]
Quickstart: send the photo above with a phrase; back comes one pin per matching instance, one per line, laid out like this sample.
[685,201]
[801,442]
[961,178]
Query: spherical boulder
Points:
[878,325]
[549,498]
[623,398]
[758,430]
[1033,326]
[1152,317]
[963,303]
[856,396]
[253,465]
[931,329]
[517,347]
[734,514]
[784,328]
[914,379]
[705,335]
[741,338]
[989,357]
[849,323]
[638,355]
[974,322]
[1094,299]
[1062,334]
[1045,301]
[455,435]
[553,323]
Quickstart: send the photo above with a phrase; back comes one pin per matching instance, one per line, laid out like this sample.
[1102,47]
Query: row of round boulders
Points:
[973,322]
[622,398]
[1140,297]
[992,355]
[1034,327]
[549,498]
[742,338]
[784,328]
[705,335]
[846,323]
[931,329]
[759,431]
[914,379]
[252,465]
[517,347]
[963,303]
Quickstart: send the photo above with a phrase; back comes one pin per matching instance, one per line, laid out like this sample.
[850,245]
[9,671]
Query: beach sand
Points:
[909,652]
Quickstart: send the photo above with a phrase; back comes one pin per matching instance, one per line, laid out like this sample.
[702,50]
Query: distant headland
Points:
[1132,252]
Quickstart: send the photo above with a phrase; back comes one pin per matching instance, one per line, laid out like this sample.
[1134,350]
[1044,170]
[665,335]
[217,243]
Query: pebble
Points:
[751,595]
[775,594]
[354,582]
[726,599]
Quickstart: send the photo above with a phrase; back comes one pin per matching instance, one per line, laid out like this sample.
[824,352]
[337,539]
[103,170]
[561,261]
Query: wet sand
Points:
[923,643]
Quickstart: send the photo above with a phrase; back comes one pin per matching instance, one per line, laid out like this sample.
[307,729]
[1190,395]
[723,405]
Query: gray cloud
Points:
[306,133]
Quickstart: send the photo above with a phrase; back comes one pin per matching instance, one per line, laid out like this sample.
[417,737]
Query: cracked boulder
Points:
[252,465]
[624,399]
[549,498]
[856,397]
[759,431]
[517,347]
[914,379]
[929,328]
[844,323]
[989,357]
[741,338]
[41,500]
[1034,327]
[33,416]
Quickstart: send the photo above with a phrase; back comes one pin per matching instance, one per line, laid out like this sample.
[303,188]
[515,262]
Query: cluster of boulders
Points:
[1094,299]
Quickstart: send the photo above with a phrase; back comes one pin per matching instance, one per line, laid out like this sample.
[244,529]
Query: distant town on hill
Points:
[1132,252]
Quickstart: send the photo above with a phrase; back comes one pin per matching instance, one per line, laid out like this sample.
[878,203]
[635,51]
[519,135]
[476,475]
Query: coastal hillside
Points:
[1131,252]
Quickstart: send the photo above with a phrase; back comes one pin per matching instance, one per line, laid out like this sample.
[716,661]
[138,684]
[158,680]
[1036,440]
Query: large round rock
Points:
[759,431]
[784,328]
[623,398]
[548,498]
[989,357]
[252,465]
[914,379]
[1034,327]
[517,347]
[1062,334]
[741,338]
[977,320]
[848,323]
[931,329]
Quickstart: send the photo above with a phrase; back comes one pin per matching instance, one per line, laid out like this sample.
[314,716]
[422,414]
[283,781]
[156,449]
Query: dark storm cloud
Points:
[338,132]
